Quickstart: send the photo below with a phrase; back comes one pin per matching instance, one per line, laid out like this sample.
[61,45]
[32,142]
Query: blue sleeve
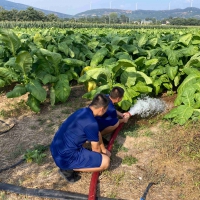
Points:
[92,132]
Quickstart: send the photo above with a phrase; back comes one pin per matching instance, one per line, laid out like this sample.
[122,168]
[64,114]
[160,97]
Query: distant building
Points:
[146,22]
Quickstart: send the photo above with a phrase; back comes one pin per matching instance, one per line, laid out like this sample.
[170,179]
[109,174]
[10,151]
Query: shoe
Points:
[105,142]
[70,176]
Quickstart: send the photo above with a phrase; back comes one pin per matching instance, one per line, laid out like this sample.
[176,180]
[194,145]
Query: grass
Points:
[129,160]
[119,147]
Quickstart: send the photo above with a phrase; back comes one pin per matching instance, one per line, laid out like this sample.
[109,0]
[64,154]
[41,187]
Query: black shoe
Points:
[105,142]
[70,176]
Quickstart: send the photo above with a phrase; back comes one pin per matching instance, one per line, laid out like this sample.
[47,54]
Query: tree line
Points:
[30,14]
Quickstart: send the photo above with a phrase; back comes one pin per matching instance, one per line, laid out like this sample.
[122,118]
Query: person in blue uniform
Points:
[67,146]
[112,117]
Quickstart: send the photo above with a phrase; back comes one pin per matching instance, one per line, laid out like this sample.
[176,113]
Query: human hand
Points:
[126,115]
[105,151]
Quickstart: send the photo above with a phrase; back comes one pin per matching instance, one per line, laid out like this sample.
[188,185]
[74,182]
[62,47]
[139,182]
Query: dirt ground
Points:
[159,147]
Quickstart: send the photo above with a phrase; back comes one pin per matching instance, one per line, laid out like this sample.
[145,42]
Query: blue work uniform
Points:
[66,147]
[109,118]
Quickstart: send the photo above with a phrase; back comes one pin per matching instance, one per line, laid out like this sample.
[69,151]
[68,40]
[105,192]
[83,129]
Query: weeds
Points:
[119,147]
[36,155]
[129,160]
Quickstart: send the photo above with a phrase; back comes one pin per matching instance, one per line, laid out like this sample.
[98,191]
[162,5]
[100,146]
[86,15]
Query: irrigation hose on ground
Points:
[95,175]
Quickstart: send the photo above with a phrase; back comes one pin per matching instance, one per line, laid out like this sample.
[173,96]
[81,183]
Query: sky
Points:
[73,7]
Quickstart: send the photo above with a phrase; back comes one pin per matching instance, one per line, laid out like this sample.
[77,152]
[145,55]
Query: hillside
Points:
[8,5]
[142,14]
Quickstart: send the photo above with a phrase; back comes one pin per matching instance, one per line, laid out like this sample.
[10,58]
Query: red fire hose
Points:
[95,175]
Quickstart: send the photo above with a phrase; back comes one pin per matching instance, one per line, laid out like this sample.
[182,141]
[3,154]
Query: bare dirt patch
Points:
[161,150]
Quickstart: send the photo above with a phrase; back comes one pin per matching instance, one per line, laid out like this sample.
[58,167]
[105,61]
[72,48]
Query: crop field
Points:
[46,74]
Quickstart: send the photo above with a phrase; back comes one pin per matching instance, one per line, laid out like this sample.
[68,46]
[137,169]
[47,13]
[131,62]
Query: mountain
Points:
[8,5]
[190,12]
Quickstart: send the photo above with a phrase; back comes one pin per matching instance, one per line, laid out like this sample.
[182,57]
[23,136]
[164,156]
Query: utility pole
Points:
[169,5]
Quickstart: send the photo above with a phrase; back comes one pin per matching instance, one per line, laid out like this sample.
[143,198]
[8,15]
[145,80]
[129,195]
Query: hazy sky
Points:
[73,7]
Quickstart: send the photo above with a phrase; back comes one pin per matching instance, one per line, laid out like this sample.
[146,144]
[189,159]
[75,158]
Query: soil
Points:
[174,177]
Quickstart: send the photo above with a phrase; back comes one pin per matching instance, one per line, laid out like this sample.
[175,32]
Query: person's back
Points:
[67,146]
[75,131]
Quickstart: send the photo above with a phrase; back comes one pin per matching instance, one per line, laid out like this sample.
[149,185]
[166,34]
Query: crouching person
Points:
[67,146]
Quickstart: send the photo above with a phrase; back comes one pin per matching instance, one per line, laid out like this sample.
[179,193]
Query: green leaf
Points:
[188,81]
[171,71]
[36,90]
[188,96]
[123,63]
[193,60]
[2,83]
[24,61]
[74,62]
[95,72]
[98,56]
[62,88]
[33,103]
[142,40]
[48,78]
[180,114]
[18,91]
[140,61]
[10,40]
[172,57]
[8,74]
[153,42]
[150,62]
[142,88]
[185,39]
[63,47]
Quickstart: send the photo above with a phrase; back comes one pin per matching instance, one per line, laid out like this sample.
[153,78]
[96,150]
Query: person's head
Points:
[117,94]
[99,104]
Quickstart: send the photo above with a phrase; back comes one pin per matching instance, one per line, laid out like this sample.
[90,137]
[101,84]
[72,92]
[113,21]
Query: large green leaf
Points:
[188,96]
[53,59]
[62,88]
[142,88]
[63,47]
[10,40]
[188,81]
[18,91]
[185,39]
[123,63]
[95,72]
[33,103]
[129,76]
[172,57]
[193,60]
[142,40]
[74,62]
[2,83]
[8,75]
[180,114]
[36,90]
[99,56]
[171,71]
[48,78]
[24,62]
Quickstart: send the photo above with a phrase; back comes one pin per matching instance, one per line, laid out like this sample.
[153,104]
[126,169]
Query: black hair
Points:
[100,100]
[117,92]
